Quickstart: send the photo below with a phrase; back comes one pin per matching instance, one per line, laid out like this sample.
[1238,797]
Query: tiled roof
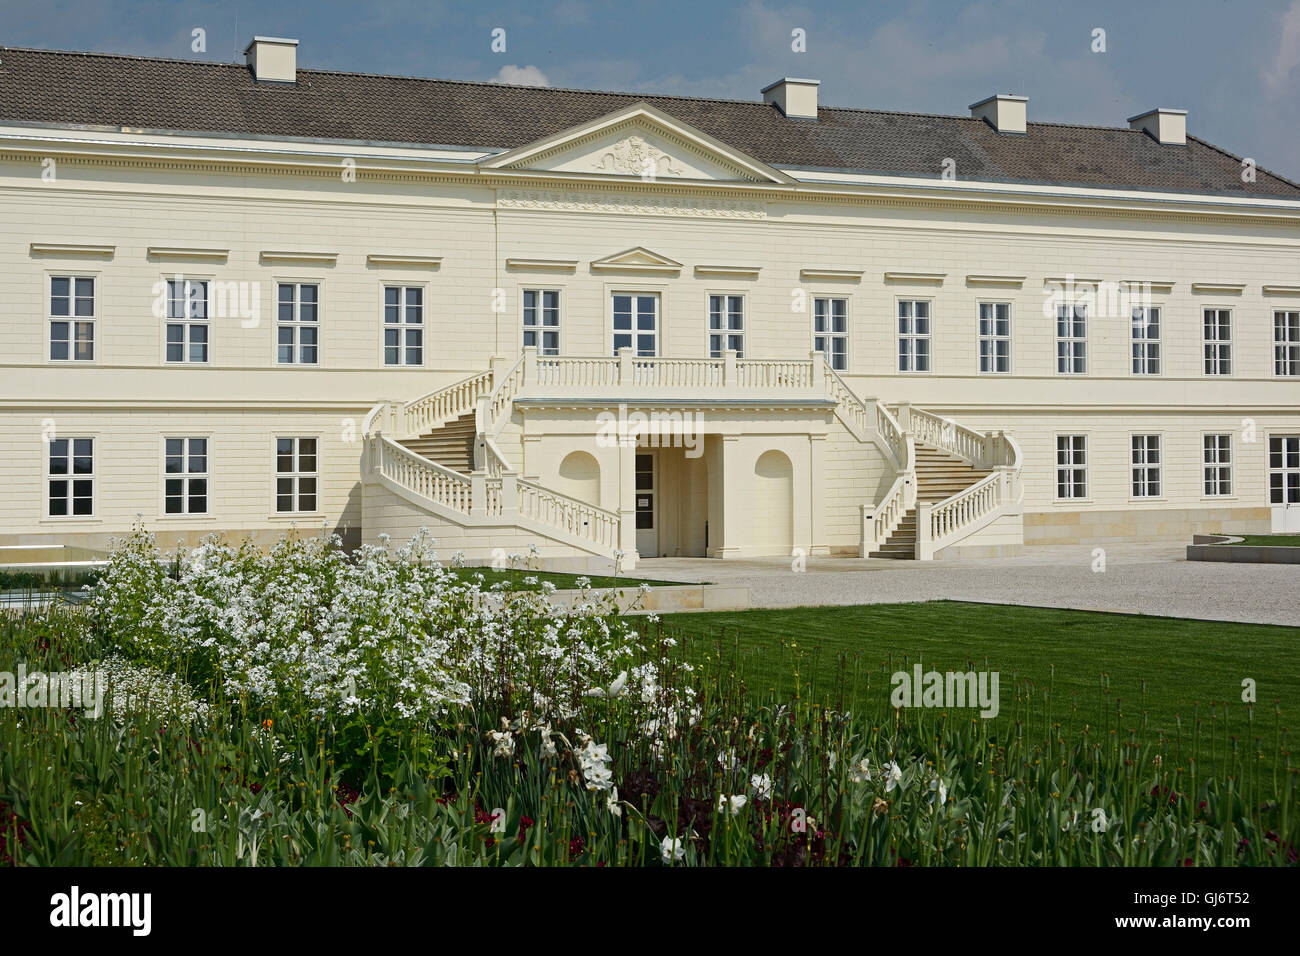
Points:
[93,89]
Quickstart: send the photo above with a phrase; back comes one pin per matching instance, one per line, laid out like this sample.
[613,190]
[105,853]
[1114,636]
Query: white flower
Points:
[594,759]
[612,803]
[731,804]
[761,785]
[938,789]
[893,776]
[503,743]
[860,771]
[671,849]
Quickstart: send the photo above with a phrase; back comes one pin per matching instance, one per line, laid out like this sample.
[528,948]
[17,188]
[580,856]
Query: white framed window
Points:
[185,476]
[1217,458]
[70,478]
[913,335]
[187,320]
[1071,467]
[726,325]
[296,475]
[542,320]
[1146,466]
[297,323]
[72,318]
[1286,343]
[995,336]
[1146,341]
[1218,341]
[636,322]
[1072,339]
[1284,469]
[403,325]
[831,331]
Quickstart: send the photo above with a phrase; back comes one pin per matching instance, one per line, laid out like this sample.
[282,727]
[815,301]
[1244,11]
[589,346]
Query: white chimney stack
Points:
[1167,127]
[273,59]
[797,99]
[1004,112]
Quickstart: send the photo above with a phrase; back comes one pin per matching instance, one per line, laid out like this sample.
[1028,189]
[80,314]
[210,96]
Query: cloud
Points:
[1276,74]
[520,76]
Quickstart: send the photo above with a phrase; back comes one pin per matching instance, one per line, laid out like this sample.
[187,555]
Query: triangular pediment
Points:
[640,142]
[637,259]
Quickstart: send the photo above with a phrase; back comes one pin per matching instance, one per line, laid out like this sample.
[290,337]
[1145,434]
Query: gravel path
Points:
[1138,578]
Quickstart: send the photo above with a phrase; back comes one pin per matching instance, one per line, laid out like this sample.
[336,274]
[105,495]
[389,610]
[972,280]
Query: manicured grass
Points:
[1107,671]
[515,578]
[1270,540]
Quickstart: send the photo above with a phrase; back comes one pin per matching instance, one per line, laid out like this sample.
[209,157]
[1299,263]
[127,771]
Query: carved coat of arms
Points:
[635,157]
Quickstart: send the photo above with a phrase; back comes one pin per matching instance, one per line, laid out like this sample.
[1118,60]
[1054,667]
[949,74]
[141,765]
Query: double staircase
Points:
[439,452]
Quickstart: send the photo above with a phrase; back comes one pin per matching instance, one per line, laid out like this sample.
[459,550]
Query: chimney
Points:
[273,59]
[1004,112]
[797,99]
[1167,127]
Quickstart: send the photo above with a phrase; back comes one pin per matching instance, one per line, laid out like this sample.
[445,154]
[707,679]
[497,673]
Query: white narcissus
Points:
[671,849]
[731,804]
[893,776]
[761,784]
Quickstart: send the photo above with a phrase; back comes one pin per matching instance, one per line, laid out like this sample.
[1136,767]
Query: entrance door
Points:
[647,506]
[1284,481]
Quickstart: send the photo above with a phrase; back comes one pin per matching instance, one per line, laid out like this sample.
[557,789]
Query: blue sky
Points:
[1235,66]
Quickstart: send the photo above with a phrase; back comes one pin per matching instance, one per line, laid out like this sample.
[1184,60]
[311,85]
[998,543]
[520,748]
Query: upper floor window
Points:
[187,320]
[185,476]
[1071,466]
[995,336]
[1217,451]
[1146,466]
[913,335]
[295,474]
[1218,341]
[1286,343]
[636,323]
[542,320]
[297,318]
[403,325]
[71,479]
[726,325]
[831,331]
[72,318]
[1146,341]
[1071,339]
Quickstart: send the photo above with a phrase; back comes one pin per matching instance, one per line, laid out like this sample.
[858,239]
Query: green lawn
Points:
[1110,672]
[515,579]
[1270,540]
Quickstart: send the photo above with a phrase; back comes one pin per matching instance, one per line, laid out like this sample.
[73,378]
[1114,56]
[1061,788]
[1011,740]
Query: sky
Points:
[1235,66]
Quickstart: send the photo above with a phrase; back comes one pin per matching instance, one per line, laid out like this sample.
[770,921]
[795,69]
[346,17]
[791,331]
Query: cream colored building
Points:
[244,297]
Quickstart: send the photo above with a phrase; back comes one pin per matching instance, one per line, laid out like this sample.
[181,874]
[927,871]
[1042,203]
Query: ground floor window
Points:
[726,325]
[295,474]
[831,331]
[1284,469]
[1218,465]
[185,476]
[1071,466]
[1146,466]
[71,482]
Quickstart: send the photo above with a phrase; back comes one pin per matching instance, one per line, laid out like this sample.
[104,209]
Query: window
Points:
[403,325]
[72,477]
[185,476]
[295,474]
[913,336]
[297,333]
[1071,339]
[726,325]
[995,336]
[1284,469]
[542,320]
[636,322]
[1218,464]
[831,331]
[72,318]
[1071,466]
[1218,341]
[1146,341]
[187,320]
[1286,343]
[1146,466]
